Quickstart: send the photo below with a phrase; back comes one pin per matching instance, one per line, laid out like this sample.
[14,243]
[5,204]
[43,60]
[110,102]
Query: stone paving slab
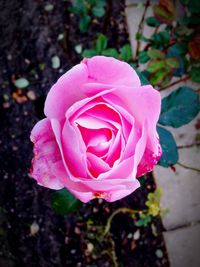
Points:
[181,192]
[183,246]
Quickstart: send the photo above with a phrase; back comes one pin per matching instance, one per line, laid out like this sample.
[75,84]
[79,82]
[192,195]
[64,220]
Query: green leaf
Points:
[101,43]
[144,220]
[63,202]
[179,107]
[21,83]
[194,6]
[110,52]
[177,49]
[84,23]
[142,75]
[152,22]
[143,57]
[155,53]
[98,11]
[169,149]
[161,39]
[172,62]
[126,52]
[158,77]
[89,53]
[195,74]
[155,65]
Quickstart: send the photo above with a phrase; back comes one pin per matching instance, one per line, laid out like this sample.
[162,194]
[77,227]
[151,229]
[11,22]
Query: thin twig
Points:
[120,210]
[188,167]
[140,27]
[188,146]
[174,83]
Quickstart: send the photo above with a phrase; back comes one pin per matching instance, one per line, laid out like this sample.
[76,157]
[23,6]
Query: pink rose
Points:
[100,131]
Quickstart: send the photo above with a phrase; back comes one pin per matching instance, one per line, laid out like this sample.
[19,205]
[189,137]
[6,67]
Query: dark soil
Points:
[29,39]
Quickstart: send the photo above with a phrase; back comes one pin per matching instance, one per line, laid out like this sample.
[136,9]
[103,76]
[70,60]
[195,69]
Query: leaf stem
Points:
[174,83]
[140,27]
[188,167]
[123,210]
[188,146]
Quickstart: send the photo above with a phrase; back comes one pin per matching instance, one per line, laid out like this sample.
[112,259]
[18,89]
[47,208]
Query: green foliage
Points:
[172,62]
[101,48]
[86,9]
[63,202]
[161,39]
[158,77]
[110,52]
[101,43]
[169,150]
[155,65]
[155,54]
[153,208]
[153,200]
[195,74]
[84,23]
[180,107]
[152,22]
[143,57]
[126,52]
[144,220]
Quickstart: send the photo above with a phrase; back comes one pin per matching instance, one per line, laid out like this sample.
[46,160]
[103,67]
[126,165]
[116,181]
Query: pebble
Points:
[159,253]
[34,228]
[136,235]
[31,95]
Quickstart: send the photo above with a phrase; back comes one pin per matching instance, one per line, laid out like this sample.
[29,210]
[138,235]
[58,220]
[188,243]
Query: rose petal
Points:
[66,91]
[46,154]
[109,70]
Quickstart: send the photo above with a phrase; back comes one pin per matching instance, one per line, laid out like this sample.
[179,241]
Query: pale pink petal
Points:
[109,70]
[46,154]
[66,91]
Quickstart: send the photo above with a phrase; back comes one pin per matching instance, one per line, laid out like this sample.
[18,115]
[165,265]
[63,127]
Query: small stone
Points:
[95,210]
[159,253]
[6,105]
[21,83]
[34,228]
[60,37]
[55,62]
[14,148]
[78,48]
[136,235]
[77,230]
[49,7]
[31,95]
[90,247]
[130,235]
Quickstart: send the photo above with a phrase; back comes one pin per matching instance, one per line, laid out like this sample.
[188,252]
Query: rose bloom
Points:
[100,131]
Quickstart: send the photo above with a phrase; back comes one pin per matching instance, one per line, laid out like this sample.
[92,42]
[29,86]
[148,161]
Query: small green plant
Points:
[101,48]
[86,9]
[153,208]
